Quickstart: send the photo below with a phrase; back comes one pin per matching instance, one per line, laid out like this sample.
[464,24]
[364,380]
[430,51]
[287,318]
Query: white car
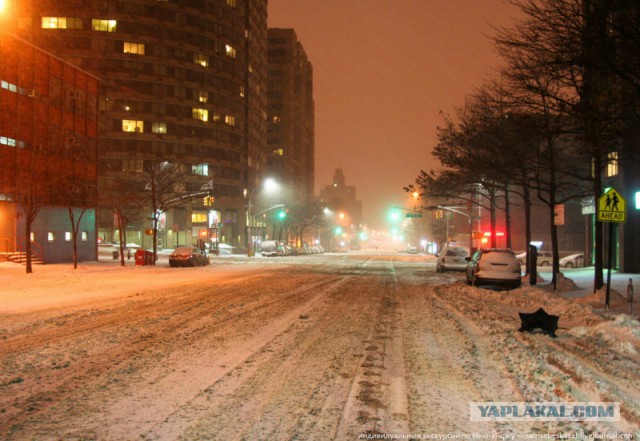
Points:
[452,257]
[572,261]
[494,266]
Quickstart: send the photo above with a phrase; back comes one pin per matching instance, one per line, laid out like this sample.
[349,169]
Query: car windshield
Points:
[457,252]
[183,250]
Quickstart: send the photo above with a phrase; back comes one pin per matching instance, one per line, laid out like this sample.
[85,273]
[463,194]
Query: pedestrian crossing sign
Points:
[612,207]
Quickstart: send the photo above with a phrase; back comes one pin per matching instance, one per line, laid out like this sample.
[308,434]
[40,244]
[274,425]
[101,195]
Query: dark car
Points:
[188,256]
[494,266]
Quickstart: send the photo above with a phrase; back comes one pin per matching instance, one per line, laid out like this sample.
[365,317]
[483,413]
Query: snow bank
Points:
[622,333]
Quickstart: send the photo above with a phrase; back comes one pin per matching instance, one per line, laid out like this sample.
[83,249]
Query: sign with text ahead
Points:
[612,207]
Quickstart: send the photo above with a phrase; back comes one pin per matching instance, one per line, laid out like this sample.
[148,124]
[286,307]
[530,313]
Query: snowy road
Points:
[328,347]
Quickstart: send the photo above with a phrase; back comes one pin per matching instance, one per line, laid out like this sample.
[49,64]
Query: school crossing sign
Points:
[612,207]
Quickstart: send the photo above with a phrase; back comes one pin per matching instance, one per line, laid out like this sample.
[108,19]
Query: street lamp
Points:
[270,185]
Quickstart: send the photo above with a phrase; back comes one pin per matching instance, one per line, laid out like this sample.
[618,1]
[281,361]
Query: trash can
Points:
[148,258]
[115,254]
[140,257]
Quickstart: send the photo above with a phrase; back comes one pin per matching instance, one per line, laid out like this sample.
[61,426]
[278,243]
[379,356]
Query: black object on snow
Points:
[548,324]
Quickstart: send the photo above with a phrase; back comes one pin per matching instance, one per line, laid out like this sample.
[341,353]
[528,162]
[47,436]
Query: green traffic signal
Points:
[282,214]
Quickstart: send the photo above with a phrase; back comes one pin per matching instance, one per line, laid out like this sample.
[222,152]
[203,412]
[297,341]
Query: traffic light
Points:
[338,230]
[282,214]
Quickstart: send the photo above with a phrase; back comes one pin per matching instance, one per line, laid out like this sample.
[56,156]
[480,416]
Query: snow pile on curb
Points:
[621,333]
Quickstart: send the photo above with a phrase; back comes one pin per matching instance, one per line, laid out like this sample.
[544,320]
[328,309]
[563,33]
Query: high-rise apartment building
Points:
[182,82]
[291,117]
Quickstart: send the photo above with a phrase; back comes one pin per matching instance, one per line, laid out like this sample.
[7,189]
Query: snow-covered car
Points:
[494,266]
[271,248]
[544,258]
[572,261]
[452,257]
[188,256]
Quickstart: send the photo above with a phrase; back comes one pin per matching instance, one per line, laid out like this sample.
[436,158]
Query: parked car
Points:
[494,266]
[544,258]
[452,257]
[412,249]
[572,261]
[271,248]
[188,256]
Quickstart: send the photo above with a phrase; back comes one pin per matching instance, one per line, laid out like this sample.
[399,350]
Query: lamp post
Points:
[269,184]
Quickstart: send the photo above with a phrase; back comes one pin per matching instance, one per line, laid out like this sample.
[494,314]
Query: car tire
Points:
[569,265]
[544,263]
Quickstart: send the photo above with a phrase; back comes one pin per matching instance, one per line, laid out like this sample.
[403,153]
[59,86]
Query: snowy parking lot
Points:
[324,347]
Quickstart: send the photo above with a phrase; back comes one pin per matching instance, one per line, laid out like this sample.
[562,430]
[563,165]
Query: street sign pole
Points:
[610,258]
[612,208]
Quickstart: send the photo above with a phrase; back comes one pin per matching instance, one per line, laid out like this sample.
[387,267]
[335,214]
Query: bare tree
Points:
[170,185]
[554,54]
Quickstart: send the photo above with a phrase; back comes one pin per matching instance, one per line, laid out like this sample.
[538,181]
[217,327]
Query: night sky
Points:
[383,71]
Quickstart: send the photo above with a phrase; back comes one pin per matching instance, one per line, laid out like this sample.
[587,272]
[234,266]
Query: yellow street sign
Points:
[612,207]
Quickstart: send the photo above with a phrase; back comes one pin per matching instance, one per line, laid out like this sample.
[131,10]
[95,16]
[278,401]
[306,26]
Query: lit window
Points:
[51,236]
[200,59]
[130,125]
[67,236]
[199,218]
[103,25]
[84,236]
[231,3]
[7,141]
[230,51]
[201,114]
[242,91]
[203,97]
[200,169]
[61,23]
[612,164]
[215,117]
[275,119]
[32,236]
[132,165]
[278,152]
[9,86]
[231,120]
[133,48]
[158,127]
[54,23]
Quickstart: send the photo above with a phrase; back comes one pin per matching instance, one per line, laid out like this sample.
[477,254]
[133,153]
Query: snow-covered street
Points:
[323,347]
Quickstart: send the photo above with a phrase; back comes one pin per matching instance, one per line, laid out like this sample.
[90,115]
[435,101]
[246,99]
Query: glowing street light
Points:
[270,185]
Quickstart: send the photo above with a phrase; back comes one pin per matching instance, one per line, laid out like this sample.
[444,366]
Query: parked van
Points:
[271,248]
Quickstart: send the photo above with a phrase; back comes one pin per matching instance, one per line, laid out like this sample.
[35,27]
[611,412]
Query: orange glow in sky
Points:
[383,71]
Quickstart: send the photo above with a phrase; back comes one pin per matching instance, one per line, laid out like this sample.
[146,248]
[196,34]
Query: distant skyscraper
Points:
[182,81]
[291,116]
[341,198]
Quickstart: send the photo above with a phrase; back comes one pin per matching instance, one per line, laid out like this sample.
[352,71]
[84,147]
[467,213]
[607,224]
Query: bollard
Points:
[630,296]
